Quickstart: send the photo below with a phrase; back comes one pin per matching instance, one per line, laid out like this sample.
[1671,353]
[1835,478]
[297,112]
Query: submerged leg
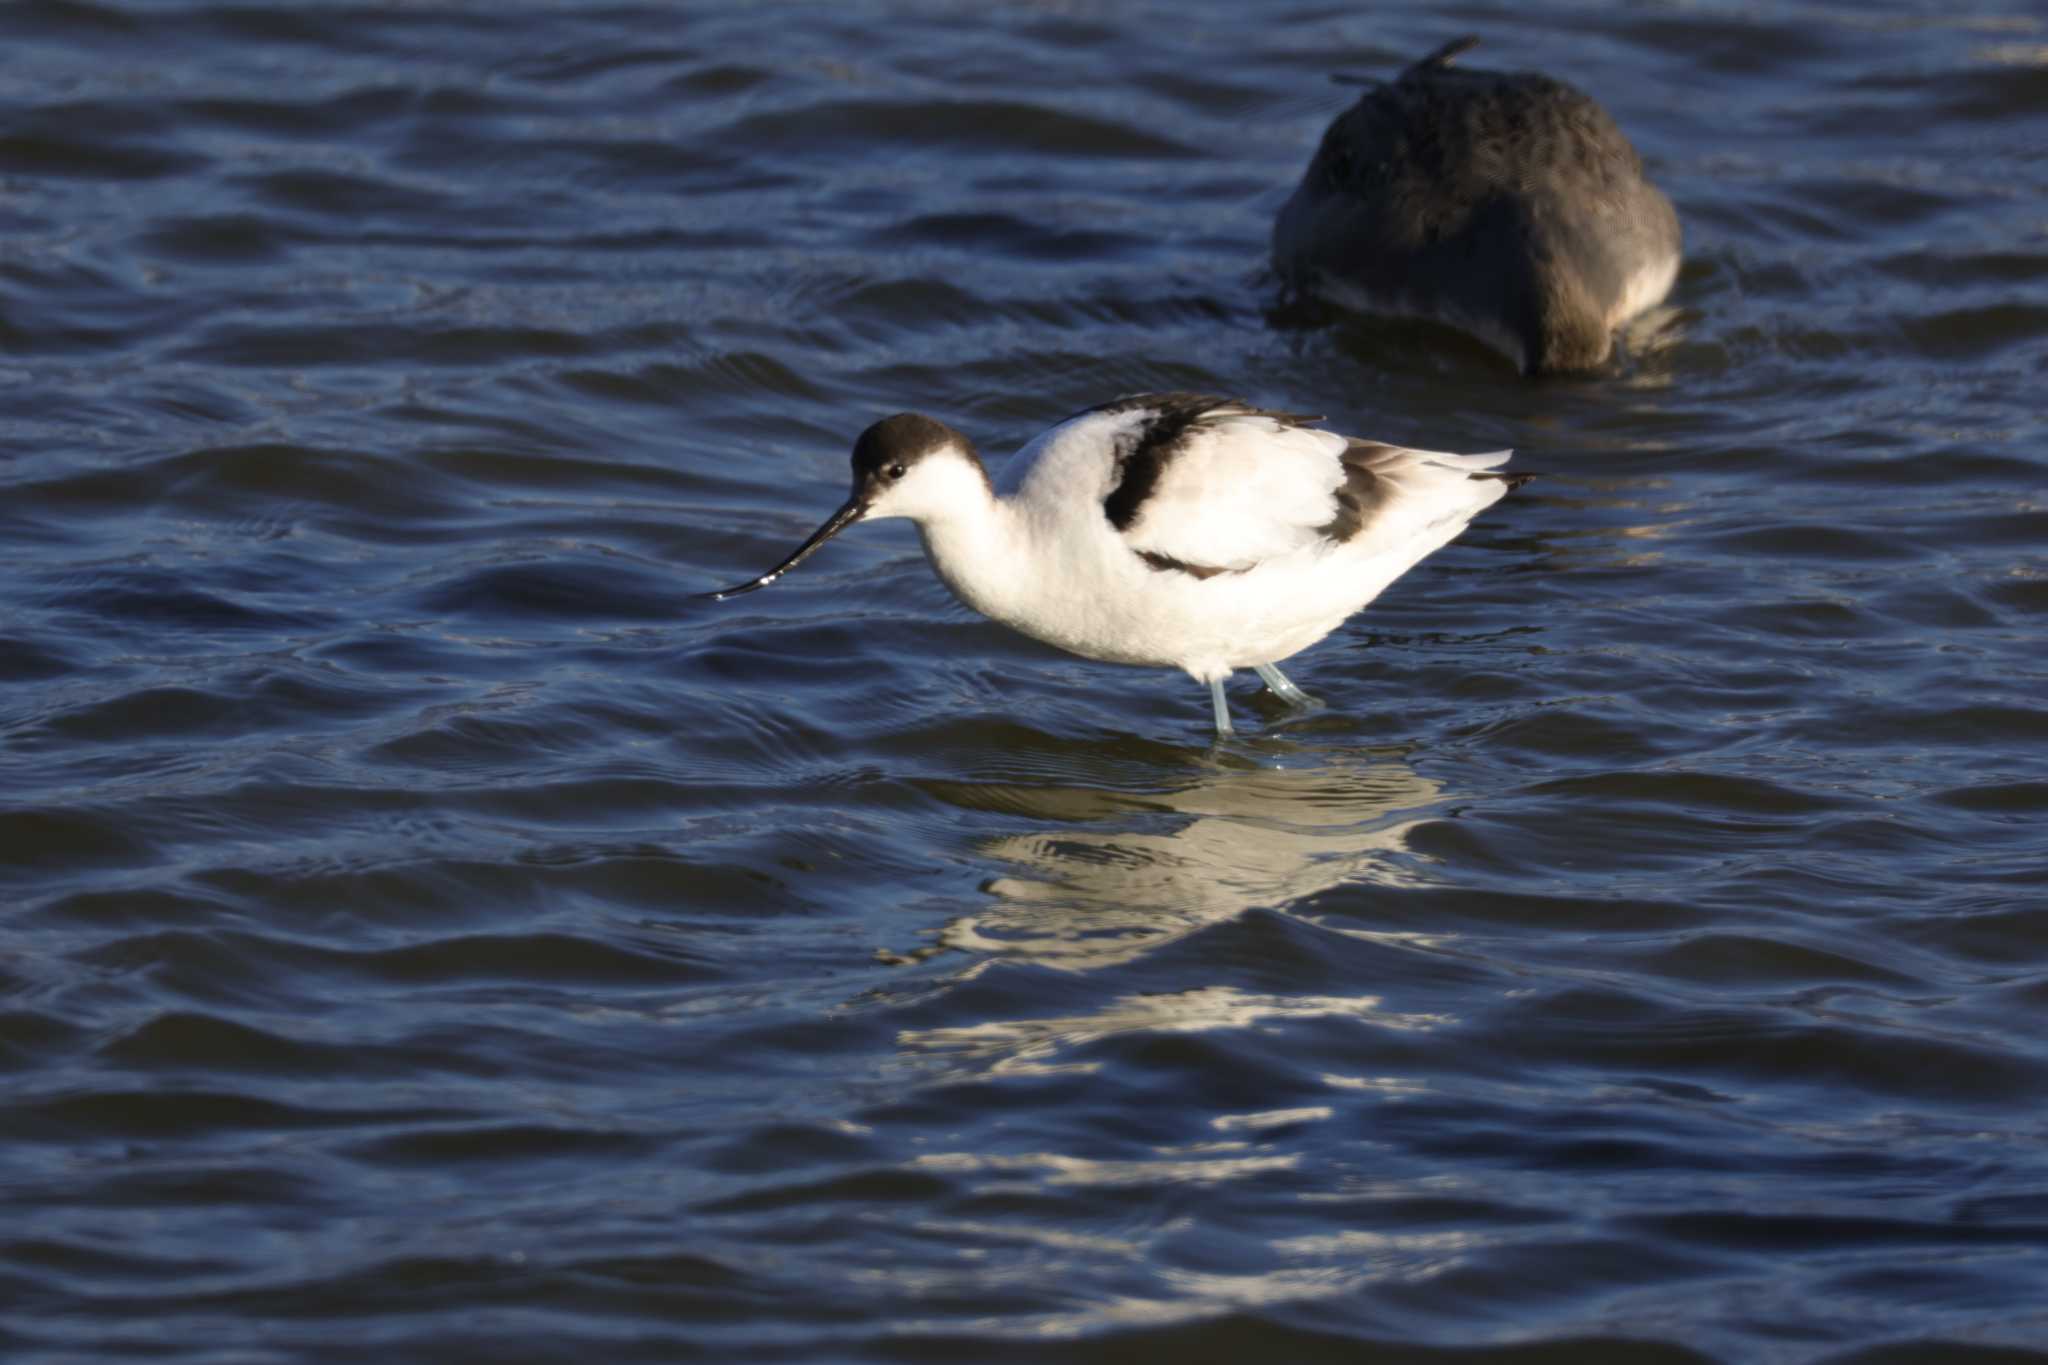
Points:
[1223,726]
[1284,689]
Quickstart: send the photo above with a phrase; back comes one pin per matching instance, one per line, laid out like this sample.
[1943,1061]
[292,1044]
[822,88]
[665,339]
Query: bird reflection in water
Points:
[1148,868]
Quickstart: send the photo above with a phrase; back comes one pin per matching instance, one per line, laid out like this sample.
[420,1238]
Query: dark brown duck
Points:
[1504,203]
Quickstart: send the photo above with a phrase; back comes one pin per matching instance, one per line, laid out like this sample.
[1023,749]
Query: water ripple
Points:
[430,931]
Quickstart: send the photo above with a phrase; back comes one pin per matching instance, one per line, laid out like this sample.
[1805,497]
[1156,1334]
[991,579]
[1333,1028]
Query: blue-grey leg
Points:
[1284,689]
[1223,726]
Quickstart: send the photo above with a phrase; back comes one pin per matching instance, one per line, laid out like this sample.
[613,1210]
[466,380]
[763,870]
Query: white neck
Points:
[973,548]
[971,536]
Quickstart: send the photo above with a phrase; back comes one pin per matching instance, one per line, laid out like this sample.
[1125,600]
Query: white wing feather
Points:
[1249,488]
[1244,489]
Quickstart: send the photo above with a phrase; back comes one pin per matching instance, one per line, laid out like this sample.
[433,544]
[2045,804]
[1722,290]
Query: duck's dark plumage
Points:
[1505,203]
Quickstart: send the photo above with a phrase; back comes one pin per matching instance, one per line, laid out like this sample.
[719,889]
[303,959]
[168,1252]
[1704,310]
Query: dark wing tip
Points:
[1513,481]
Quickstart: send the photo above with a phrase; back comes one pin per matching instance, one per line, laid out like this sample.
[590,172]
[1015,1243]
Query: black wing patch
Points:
[1363,491]
[1168,564]
[1143,453]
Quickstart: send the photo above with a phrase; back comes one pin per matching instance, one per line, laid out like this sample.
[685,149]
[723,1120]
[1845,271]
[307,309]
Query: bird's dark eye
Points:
[1337,165]
[895,471]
